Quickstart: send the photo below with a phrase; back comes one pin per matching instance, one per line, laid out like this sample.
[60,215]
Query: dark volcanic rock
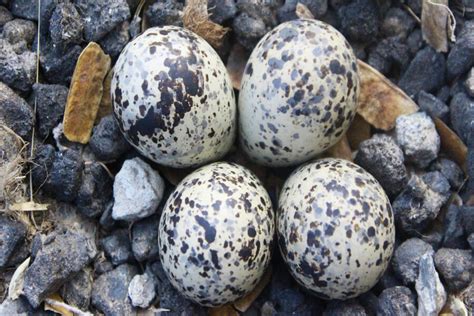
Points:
[5,16]
[456,267]
[467,213]
[12,234]
[17,69]
[415,41]
[360,20]
[145,239]
[382,157]
[450,170]
[65,25]
[78,290]
[101,16]
[397,22]
[15,112]
[50,104]
[433,106]
[107,142]
[249,30]
[166,12]
[287,12]
[461,55]
[388,53]
[115,41]
[28,9]
[425,72]
[398,300]
[344,308]
[61,256]
[221,10]
[19,30]
[406,259]
[453,235]
[110,291]
[462,116]
[117,247]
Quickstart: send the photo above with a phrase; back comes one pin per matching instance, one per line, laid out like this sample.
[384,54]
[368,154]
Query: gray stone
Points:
[138,190]
[19,30]
[417,136]
[467,213]
[61,256]
[221,10]
[406,259]
[389,53]
[65,25]
[382,157]
[470,240]
[450,170]
[415,41]
[430,290]
[12,234]
[397,22]
[249,30]
[95,191]
[110,291]
[287,12]
[18,307]
[453,228]
[419,204]
[5,16]
[462,116]
[50,105]
[107,142]
[145,239]
[115,40]
[101,16]
[141,290]
[117,247]
[360,20]
[14,111]
[106,220]
[398,300]
[426,72]
[469,83]
[443,93]
[166,12]
[28,9]
[434,236]
[17,69]
[78,290]
[344,308]
[433,106]
[456,267]
[461,55]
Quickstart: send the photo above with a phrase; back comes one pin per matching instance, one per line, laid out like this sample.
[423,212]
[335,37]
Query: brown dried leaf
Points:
[236,64]
[380,101]
[303,12]
[244,303]
[340,150]
[437,24]
[85,93]
[196,19]
[358,132]
[105,105]
[451,144]
[225,310]
[53,299]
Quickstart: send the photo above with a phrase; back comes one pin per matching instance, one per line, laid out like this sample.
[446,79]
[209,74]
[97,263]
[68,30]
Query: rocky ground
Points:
[100,255]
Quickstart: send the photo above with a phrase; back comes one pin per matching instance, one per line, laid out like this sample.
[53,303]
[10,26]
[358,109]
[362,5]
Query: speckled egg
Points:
[216,233]
[335,228]
[173,98]
[298,94]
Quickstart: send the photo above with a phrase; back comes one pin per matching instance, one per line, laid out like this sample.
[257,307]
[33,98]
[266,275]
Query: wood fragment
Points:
[303,12]
[380,101]
[451,144]
[15,288]
[341,150]
[55,303]
[236,64]
[359,131]
[105,105]
[437,24]
[29,206]
[85,93]
[224,310]
[244,303]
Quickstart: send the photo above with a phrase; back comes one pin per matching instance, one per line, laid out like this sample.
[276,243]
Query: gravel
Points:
[344,308]
[117,247]
[390,53]
[17,68]
[431,293]
[107,142]
[166,12]
[450,170]
[453,235]
[397,22]
[12,234]
[78,290]
[456,267]
[65,25]
[14,111]
[462,116]
[145,239]
[360,20]
[397,300]
[406,259]
[141,290]
[115,41]
[461,56]
[433,106]
[221,10]
[469,83]
[19,30]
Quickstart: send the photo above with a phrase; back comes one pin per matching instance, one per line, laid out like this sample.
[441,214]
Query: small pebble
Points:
[456,267]
[462,116]
[397,22]
[382,157]
[50,104]
[417,136]
[467,213]
[106,221]
[344,308]
[289,300]
[107,141]
[115,41]
[65,25]
[433,106]
[249,30]
[360,20]
[450,170]
[65,176]
[78,290]
[138,190]
[389,53]
[461,56]
[17,69]
[420,202]
[398,300]
[426,72]
[415,41]
[453,236]
[166,12]
[19,30]
[470,240]
[443,94]
[221,10]
[110,291]
[5,16]
[144,239]
[141,290]
[431,293]
[12,234]
[406,259]
[287,12]
[14,111]
[117,247]
[469,83]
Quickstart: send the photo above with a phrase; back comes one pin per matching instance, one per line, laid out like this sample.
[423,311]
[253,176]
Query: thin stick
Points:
[410,11]
[72,309]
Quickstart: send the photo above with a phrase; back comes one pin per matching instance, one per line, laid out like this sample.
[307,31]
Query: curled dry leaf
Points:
[244,303]
[451,144]
[85,93]
[236,64]
[196,19]
[380,101]
[340,150]
[15,288]
[437,24]
[359,131]
[225,310]
[303,12]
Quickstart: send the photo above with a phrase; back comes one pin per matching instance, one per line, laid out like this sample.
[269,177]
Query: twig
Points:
[417,19]
[72,309]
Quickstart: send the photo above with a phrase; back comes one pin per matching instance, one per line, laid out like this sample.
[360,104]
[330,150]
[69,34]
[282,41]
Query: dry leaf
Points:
[225,310]
[105,105]
[454,306]
[55,303]
[85,93]
[380,101]
[244,303]
[437,24]
[29,206]
[358,132]
[196,19]
[303,12]
[451,144]
[236,64]
[340,150]
[15,288]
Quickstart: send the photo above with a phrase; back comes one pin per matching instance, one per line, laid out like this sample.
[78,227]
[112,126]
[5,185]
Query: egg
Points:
[173,98]
[298,93]
[216,233]
[335,228]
